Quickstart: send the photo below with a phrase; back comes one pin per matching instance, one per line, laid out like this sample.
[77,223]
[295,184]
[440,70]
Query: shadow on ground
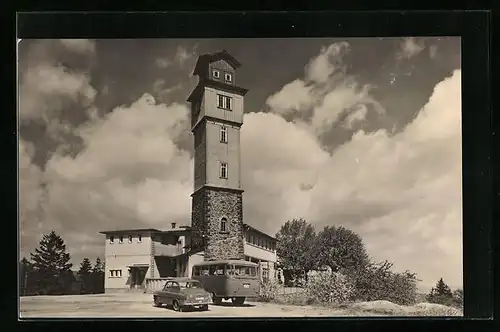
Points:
[229,304]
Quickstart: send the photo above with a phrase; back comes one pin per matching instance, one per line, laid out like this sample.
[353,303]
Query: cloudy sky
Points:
[363,133]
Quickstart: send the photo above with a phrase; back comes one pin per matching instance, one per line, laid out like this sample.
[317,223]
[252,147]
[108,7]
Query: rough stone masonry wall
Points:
[229,244]
[198,215]
[209,207]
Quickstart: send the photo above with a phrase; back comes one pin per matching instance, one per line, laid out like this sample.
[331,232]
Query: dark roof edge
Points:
[259,231]
[131,230]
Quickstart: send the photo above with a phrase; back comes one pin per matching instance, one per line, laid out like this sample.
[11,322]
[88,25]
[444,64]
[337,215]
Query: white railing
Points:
[153,284]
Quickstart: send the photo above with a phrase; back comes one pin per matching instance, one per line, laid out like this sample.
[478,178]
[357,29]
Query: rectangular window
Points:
[224,102]
[120,239]
[139,238]
[223,134]
[223,170]
[204,271]
[196,271]
[111,239]
[265,274]
[215,73]
[251,239]
[130,239]
[228,77]
[115,273]
[219,270]
[211,270]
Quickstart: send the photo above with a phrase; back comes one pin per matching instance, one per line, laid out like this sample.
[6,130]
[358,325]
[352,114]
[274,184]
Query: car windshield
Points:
[190,284]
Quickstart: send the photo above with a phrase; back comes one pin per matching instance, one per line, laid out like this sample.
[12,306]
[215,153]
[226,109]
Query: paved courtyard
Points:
[140,305]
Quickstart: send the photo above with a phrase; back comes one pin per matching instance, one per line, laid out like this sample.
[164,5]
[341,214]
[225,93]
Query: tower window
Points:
[130,239]
[223,224]
[120,239]
[216,74]
[228,77]
[223,135]
[111,239]
[139,238]
[224,102]
[223,170]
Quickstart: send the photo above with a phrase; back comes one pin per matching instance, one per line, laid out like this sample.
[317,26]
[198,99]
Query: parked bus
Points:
[228,279]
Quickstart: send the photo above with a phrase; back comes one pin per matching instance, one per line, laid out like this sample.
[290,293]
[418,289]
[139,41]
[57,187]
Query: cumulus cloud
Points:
[83,46]
[358,115]
[330,60]
[401,192]
[293,97]
[327,94]
[409,48]
[130,174]
[182,56]
[48,89]
[30,190]
[163,62]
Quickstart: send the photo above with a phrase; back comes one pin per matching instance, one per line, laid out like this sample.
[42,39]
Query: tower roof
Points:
[205,59]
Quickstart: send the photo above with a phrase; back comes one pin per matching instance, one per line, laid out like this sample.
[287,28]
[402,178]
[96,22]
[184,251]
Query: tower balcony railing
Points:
[167,250]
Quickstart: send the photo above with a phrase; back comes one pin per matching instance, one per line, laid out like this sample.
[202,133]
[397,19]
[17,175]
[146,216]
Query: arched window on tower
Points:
[223,225]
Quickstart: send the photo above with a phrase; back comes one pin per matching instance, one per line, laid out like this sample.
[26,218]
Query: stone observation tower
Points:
[216,119]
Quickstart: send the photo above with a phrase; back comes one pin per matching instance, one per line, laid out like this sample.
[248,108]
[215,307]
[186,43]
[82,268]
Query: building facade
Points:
[142,258]
[136,258]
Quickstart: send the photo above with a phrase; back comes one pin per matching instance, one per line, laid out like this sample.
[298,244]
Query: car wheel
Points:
[204,307]
[176,306]
[156,301]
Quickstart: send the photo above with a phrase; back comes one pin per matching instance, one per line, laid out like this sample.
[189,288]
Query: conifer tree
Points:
[85,273]
[52,265]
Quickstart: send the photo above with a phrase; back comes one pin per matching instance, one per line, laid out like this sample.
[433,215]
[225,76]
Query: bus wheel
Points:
[238,300]
[216,300]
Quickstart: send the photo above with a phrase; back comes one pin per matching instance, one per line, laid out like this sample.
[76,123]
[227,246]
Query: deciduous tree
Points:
[340,249]
[296,240]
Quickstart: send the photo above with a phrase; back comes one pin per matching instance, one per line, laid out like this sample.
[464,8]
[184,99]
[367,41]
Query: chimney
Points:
[173,225]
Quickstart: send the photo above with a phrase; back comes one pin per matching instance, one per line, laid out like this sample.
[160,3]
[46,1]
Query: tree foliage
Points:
[26,271]
[85,274]
[296,240]
[98,276]
[52,265]
[377,281]
[442,294]
[340,249]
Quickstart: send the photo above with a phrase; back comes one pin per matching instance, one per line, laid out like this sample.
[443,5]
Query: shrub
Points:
[328,288]
[269,290]
[378,282]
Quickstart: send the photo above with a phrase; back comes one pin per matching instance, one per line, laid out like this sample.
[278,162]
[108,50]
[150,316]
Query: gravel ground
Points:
[140,305]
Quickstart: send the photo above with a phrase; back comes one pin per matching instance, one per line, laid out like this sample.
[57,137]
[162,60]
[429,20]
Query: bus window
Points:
[204,270]
[228,270]
[212,270]
[196,271]
[251,271]
[219,270]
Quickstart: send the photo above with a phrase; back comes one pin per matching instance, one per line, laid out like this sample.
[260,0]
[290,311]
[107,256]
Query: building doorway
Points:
[137,276]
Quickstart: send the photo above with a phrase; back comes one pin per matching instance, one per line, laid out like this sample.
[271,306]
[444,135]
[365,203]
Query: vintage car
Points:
[182,293]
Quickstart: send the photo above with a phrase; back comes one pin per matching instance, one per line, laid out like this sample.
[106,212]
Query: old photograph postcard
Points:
[293,177]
